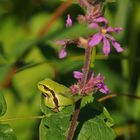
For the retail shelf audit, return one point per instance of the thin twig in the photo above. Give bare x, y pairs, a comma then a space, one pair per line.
117, 95
22, 118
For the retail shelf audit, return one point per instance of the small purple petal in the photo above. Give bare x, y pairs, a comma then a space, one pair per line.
78, 74
62, 53
101, 19
94, 25
111, 29
101, 85
95, 39
92, 75
117, 46
117, 30
106, 46
104, 89
110, 37
99, 77
61, 42
68, 21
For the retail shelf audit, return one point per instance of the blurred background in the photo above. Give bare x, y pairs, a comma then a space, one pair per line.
28, 54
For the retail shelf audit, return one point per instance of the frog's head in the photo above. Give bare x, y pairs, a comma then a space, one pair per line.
45, 88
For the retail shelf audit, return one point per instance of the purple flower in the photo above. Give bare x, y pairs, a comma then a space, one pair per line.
95, 40
74, 89
68, 21
102, 87
98, 83
101, 19
62, 52
61, 42
78, 74
92, 85
99, 78
95, 21
104, 36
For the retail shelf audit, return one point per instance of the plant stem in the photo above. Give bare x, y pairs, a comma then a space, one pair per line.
78, 103
74, 120
22, 118
86, 65
118, 95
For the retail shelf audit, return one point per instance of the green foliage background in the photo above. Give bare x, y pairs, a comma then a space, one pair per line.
36, 58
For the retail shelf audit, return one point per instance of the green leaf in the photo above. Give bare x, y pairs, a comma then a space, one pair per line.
96, 129
21, 49
6, 132
54, 128
69, 33
108, 119
57, 125
63, 65
3, 106
99, 110
94, 123
86, 100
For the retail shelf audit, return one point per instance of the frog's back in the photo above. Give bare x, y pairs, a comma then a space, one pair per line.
59, 88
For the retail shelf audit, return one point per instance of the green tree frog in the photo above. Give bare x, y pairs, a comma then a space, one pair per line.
57, 96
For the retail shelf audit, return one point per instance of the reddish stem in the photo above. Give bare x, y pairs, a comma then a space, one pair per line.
74, 120
86, 67
78, 103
